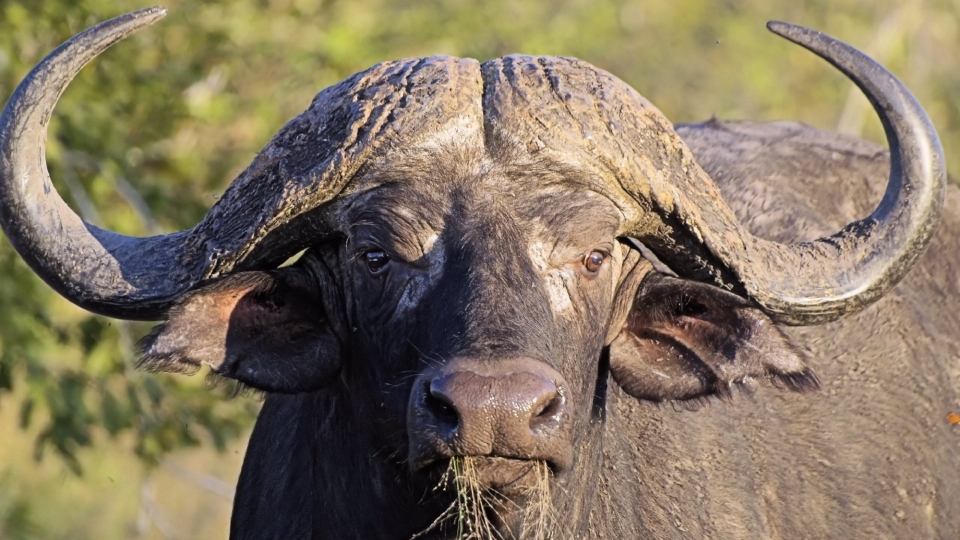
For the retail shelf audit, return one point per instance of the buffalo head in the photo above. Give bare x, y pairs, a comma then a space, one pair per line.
485, 245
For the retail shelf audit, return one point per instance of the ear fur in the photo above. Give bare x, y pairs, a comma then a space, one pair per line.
267, 330
686, 340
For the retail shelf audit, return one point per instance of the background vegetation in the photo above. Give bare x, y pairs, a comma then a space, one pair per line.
152, 132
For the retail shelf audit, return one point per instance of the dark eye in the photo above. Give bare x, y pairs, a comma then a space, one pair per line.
376, 259
593, 261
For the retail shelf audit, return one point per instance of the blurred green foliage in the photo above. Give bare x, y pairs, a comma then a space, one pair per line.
148, 135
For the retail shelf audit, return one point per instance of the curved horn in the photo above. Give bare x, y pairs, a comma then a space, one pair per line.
569, 113
266, 214
823, 280
99, 270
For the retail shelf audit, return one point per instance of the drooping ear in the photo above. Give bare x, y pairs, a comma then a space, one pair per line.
686, 340
267, 330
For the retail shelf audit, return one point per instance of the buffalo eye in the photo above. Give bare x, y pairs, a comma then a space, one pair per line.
593, 261
376, 259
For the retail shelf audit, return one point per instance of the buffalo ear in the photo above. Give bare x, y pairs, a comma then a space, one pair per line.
686, 340
267, 330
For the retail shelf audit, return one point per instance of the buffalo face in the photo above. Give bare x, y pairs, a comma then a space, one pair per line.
479, 304
471, 303
473, 269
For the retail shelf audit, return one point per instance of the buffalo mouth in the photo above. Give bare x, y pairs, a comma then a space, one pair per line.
494, 497
504, 475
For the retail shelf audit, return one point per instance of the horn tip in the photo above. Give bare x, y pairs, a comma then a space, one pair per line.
154, 13
788, 30
775, 26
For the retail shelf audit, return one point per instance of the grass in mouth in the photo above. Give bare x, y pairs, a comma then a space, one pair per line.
478, 510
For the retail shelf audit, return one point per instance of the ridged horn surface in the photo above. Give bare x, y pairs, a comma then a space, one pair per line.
267, 214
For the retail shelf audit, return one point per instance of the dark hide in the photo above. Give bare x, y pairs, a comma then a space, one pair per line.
474, 344
278, 498
872, 455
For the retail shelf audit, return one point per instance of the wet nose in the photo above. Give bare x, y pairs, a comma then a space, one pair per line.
516, 409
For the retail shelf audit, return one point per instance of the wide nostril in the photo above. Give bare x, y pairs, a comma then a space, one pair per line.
441, 407
547, 410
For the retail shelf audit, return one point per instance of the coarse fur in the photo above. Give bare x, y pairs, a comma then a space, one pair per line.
871, 455
478, 329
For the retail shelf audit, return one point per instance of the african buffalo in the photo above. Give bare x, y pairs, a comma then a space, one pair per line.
519, 279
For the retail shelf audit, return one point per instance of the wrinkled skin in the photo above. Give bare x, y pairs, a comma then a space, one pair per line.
486, 263
869, 456
477, 342
872, 455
